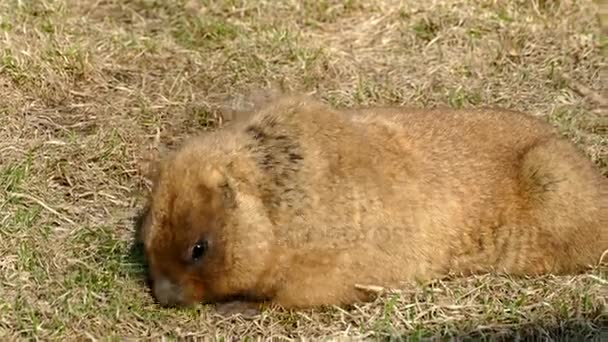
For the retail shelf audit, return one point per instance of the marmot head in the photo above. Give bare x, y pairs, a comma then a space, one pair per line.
198, 245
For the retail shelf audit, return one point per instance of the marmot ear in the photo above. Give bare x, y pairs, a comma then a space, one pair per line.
217, 179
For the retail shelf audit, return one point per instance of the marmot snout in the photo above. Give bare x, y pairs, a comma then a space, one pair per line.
300, 201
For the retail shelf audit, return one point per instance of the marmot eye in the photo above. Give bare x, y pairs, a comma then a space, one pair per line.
199, 249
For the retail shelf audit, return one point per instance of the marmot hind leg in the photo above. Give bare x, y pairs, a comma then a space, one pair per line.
566, 199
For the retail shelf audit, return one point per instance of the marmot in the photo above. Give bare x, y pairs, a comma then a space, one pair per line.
300, 201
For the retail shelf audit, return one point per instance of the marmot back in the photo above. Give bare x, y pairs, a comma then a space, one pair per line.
299, 202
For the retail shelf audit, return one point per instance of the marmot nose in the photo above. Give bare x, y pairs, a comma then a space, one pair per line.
167, 293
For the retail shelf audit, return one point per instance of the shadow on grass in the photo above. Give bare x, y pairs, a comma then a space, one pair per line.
136, 253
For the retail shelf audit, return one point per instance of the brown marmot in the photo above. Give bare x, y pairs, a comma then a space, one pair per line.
300, 201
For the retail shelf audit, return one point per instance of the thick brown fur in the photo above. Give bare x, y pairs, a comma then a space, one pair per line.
298, 202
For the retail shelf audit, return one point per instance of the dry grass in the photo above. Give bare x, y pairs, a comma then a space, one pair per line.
85, 85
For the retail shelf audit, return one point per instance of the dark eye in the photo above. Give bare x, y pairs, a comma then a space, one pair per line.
199, 249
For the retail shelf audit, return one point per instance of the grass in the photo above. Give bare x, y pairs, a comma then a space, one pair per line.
85, 85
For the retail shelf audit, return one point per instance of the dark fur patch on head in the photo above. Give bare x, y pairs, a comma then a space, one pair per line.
257, 133
280, 156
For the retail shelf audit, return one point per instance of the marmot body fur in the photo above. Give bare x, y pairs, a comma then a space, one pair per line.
300, 201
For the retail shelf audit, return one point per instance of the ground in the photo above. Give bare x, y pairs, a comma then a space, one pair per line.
86, 85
